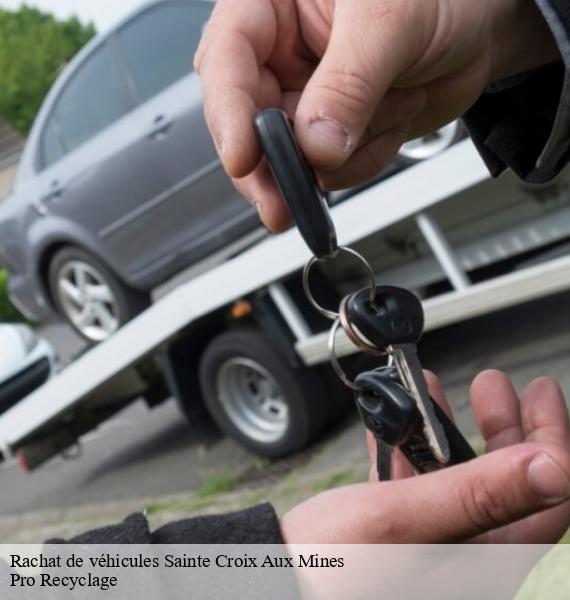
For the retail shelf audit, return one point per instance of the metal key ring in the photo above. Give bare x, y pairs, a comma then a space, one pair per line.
336, 365
354, 335
334, 360
329, 314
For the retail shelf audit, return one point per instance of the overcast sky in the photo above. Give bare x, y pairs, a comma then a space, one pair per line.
103, 13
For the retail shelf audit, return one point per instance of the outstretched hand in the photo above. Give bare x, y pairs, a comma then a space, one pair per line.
359, 78
518, 492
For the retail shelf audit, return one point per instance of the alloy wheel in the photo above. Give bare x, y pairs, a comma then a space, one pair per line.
87, 300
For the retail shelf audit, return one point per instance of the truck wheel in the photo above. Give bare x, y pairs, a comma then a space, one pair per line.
257, 398
89, 296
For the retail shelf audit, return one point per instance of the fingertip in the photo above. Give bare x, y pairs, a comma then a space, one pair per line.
549, 478
260, 189
434, 385
488, 377
237, 145
431, 378
544, 386
545, 414
324, 141
273, 214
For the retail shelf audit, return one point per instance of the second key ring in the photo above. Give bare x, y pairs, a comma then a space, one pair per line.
334, 358
330, 314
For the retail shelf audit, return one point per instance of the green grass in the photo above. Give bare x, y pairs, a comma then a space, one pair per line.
200, 498
260, 464
188, 505
8, 312
218, 485
337, 479
211, 494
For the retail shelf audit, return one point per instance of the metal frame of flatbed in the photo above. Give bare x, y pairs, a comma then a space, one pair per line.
404, 195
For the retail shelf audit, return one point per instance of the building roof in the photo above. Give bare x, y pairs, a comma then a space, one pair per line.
11, 143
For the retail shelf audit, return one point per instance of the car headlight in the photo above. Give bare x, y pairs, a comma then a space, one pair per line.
28, 337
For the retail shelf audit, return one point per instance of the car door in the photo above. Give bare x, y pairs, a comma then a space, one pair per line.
199, 207
95, 172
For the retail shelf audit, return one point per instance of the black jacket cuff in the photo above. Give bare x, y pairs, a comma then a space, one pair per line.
256, 525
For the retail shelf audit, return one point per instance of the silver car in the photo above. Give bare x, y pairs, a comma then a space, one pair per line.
119, 186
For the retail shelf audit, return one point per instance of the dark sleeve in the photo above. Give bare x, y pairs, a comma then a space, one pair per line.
525, 125
256, 525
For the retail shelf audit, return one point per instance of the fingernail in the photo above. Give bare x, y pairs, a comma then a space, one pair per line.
332, 132
548, 479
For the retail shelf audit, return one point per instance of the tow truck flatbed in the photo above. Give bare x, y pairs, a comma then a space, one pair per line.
110, 373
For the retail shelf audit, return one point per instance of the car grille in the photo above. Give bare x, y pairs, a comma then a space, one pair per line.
23, 383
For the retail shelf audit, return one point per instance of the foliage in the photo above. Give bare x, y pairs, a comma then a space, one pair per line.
34, 47
8, 312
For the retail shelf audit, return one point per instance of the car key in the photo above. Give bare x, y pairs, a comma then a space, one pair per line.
394, 322
296, 182
387, 411
392, 422
394, 326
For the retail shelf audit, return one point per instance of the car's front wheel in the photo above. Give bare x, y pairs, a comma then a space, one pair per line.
89, 296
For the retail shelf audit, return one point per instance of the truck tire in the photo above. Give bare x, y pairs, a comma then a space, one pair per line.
257, 398
89, 296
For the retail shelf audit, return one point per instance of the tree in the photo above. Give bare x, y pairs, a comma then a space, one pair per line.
34, 47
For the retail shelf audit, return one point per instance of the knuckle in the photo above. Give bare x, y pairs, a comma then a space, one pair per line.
414, 102
391, 11
485, 507
377, 160
351, 89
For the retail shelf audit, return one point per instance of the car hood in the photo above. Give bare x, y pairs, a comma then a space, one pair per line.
12, 350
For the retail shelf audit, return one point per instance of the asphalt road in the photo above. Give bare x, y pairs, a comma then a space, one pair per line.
143, 453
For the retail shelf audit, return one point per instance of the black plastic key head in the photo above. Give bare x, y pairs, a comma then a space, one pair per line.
395, 317
385, 406
296, 182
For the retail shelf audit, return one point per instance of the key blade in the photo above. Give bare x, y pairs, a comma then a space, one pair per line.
383, 460
411, 373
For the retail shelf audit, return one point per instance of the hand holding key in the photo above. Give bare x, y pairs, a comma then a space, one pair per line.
517, 493
358, 77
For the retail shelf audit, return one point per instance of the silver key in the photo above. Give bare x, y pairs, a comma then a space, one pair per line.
411, 373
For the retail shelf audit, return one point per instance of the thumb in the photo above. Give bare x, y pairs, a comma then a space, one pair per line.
466, 500
366, 51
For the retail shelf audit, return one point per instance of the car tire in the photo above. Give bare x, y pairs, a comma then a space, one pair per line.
256, 397
428, 146
89, 296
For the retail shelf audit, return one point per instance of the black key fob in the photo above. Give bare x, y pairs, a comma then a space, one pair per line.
395, 317
296, 182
